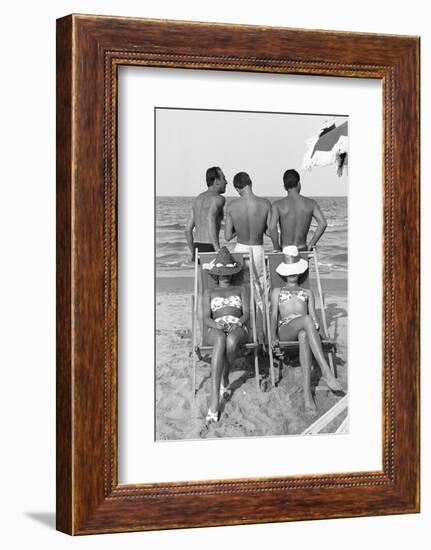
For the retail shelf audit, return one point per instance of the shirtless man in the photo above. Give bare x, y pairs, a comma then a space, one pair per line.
294, 214
206, 214
248, 218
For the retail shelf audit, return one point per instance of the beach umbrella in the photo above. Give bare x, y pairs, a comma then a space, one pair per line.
329, 146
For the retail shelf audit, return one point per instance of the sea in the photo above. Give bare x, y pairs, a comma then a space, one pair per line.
172, 252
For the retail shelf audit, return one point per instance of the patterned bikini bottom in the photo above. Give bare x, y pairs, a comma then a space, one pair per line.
227, 323
286, 320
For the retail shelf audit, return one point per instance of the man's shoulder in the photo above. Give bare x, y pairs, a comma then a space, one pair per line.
219, 200
200, 197
265, 202
208, 198
308, 200
281, 204
233, 203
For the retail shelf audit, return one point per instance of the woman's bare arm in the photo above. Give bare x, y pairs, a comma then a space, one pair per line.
206, 308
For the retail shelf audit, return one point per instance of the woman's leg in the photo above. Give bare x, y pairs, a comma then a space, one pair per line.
290, 332
217, 338
306, 364
234, 341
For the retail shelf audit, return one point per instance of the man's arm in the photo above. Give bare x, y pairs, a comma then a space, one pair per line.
268, 220
321, 225
213, 214
273, 228
229, 230
190, 225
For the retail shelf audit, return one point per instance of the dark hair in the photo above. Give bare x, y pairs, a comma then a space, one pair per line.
241, 180
290, 179
213, 174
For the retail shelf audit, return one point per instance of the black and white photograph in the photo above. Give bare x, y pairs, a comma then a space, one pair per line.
251, 273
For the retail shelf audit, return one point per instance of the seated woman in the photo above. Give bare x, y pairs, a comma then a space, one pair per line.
225, 313
293, 317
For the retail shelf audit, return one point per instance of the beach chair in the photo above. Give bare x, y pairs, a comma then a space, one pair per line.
272, 260
201, 346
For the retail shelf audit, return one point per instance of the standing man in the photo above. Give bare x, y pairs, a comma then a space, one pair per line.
206, 214
248, 218
294, 214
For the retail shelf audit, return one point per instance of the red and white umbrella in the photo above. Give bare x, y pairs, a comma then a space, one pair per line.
330, 146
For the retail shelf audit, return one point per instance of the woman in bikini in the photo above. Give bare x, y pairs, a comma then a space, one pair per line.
225, 314
293, 317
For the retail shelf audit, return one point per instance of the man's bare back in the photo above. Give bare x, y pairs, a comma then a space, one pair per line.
208, 205
247, 217
294, 214
206, 214
295, 217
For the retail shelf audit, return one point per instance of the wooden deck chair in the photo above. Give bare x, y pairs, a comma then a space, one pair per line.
338, 410
201, 346
272, 260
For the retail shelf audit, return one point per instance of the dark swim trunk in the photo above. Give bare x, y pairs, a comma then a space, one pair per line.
203, 247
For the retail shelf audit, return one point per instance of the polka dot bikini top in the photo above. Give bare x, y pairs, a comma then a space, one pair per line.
219, 302
286, 295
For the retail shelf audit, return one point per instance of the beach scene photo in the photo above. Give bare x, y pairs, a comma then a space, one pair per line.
251, 274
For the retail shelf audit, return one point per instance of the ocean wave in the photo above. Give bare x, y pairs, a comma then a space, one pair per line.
172, 244
171, 226
173, 264
340, 258
173, 256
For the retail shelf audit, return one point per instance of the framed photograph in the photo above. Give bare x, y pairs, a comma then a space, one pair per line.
237, 274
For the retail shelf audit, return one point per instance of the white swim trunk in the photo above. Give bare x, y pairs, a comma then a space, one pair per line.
257, 253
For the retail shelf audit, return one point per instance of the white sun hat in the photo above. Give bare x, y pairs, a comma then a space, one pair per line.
293, 263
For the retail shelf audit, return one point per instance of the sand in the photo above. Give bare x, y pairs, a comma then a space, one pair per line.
248, 412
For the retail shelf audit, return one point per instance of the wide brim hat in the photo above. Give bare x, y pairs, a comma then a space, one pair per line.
223, 264
293, 263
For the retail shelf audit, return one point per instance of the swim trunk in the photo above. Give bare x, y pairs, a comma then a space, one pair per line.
202, 247
228, 323
257, 253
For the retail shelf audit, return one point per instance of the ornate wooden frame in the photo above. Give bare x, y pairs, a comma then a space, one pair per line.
89, 51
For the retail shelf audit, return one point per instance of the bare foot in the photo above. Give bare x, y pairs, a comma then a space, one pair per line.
333, 383
225, 391
211, 417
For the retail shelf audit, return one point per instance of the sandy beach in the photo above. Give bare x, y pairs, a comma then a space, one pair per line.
248, 413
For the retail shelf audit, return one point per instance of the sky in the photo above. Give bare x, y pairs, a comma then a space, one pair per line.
262, 144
